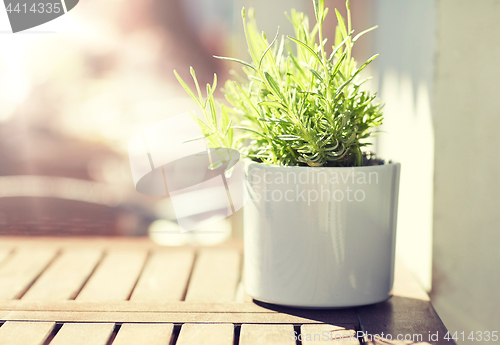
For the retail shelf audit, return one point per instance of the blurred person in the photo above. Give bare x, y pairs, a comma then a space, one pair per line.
86, 91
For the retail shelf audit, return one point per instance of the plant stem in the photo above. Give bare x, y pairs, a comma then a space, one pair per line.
323, 56
349, 42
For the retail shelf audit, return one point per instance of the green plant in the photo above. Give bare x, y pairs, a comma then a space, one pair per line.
302, 107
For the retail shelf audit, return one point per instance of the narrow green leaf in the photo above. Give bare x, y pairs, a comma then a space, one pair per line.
228, 127
338, 47
309, 49
319, 10
249, 101
279, 54
198, 138
341, 23
341, 87
269, 47
214, 84
275, 120
225, 118
229, 137
250, 130
363, 32
252, 77
338, 154
316, 9
342, 76
188, 90
351, 139
235, 60
288, 137
273, 84
272, 104
332, 147
338, 64
312, 94
365, 64
297, 65
193, 74
312, 70
325, 11
213, 112
211, 90
298, 81
206, 129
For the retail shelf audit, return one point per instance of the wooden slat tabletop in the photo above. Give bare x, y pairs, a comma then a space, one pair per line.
98, 291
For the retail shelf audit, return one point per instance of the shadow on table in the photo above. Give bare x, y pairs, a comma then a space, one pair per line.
412, 318
345, 317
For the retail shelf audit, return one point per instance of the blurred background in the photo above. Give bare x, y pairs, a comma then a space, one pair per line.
75, 90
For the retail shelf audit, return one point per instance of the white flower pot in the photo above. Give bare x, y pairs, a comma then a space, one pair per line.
320, 237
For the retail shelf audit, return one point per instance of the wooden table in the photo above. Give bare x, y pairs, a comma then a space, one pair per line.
129, 291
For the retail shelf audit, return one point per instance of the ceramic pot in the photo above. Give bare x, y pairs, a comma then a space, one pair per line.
320, 237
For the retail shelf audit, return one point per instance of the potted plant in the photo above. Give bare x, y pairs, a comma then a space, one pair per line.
320, 223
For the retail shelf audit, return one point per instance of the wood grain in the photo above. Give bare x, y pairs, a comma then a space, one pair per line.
83, 334
169, 317
165, 276
115, 277
131, 311
25, 333
180, 307
206, 334
156, 284
323, 333
266, 334
215, 276
64, 278
144, 334
22, 268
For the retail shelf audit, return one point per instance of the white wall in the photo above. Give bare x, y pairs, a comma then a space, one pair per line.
466, 286
405, 41
439, 76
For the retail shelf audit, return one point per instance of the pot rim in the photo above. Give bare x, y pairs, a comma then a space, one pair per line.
248, 162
